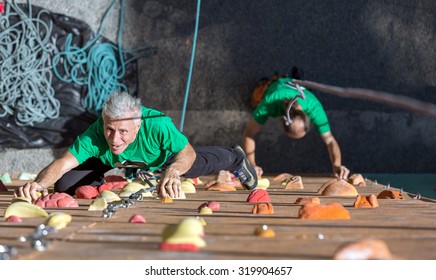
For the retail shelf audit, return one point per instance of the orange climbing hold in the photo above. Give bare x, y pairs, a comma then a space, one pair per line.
263, 208
335, 187
391, 194
357, 180
293, 183
369, 201
305, 200
222, 187
315, 211
264, 231
282, 177
166, 200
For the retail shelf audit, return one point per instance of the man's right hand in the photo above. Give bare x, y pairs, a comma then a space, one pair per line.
259, 170
29, 191
170, 183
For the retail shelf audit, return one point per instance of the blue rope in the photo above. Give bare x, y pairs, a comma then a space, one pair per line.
26, 91
97, 69
190, 67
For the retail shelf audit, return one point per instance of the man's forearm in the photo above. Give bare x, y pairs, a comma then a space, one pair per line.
335, 154
248, 142
249, 146
53, 172
183, 160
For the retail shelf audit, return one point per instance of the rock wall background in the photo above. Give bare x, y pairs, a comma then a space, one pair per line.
381, 45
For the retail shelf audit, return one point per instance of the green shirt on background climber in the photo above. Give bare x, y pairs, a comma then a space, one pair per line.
272, 105
297, 111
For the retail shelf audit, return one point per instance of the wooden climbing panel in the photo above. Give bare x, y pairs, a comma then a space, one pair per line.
406, 225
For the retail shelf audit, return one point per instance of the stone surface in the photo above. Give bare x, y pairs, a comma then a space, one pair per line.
374, 45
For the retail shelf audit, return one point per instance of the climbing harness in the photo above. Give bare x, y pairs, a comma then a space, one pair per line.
134, 170
376, 96
287, 117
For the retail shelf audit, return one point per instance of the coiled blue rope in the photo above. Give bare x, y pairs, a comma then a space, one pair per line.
26, 90
100, 68
188, 83
28, 61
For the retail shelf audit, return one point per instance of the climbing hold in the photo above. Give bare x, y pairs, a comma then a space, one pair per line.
263, 183
202, 221
391, 194
136, 218
304, 200
369, 201
357, 180
293, 183
113, 182
178, 247
195, 181
282, 177
315, 211
13, 219
187, 234
87, 192
366, 249
214, 205
6, 178
26, 176
109, 196
258, 195
57, 199
335, 187
205, 210
263, 208
225, 181
188, 187
166, 200
98, 204
134, 187
264, 231
3, 187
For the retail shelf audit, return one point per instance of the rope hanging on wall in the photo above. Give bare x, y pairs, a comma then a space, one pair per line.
99, 66
403, 102
26, 90
188, 84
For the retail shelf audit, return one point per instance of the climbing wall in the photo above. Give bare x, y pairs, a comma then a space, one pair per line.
404, 224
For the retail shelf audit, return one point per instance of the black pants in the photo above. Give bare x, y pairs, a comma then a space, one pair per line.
209, 160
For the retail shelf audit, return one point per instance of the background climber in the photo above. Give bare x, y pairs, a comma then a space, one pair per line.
297, 109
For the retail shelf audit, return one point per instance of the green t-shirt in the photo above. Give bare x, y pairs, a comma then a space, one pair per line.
272, 105
157, 139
